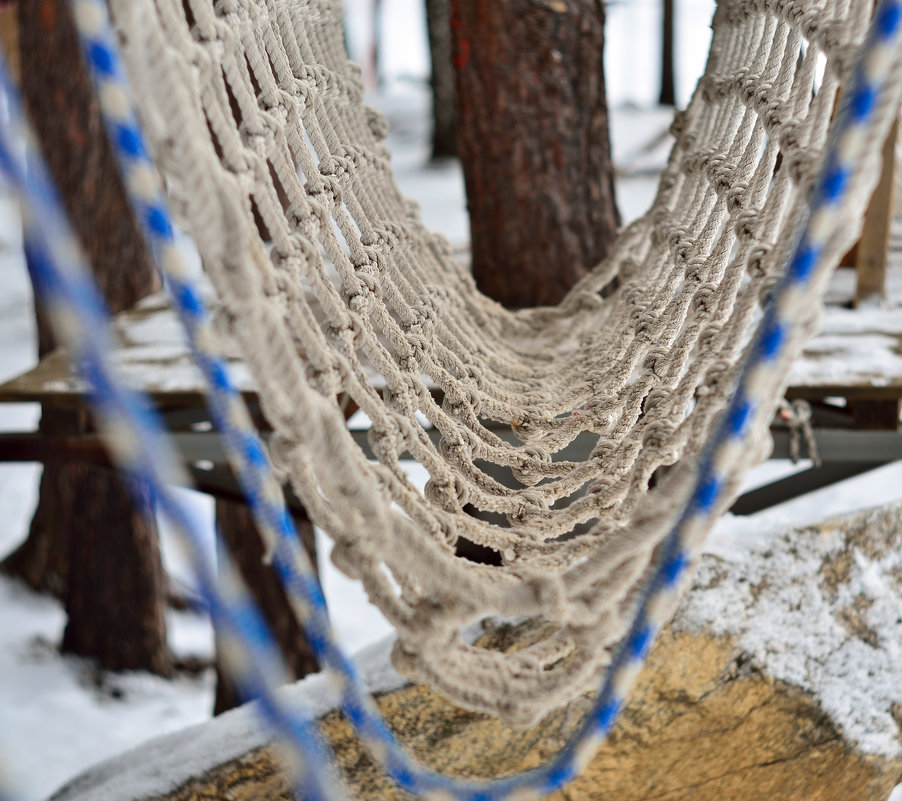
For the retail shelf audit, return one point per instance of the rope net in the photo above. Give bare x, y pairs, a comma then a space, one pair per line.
332, 289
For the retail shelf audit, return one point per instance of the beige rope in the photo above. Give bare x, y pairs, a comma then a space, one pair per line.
332, 285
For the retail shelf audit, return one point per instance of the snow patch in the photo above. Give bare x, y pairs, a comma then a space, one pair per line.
165, 763
801, 590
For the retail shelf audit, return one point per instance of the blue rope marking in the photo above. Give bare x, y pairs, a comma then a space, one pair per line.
139, 438
248, 629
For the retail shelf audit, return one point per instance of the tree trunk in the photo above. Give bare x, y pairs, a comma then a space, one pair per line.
444, 95
87, 542
240, 536
668, 91
533, 137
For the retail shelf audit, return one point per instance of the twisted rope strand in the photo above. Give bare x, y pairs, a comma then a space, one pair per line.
763, 373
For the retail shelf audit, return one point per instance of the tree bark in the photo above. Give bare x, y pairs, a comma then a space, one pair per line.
87, 542
239, 534
533, 137
444, 95
668, 90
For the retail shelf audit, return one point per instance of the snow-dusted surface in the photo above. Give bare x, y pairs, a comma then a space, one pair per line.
797, 627
164, 764
54, 719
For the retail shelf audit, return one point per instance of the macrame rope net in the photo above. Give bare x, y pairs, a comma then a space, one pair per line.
330, 287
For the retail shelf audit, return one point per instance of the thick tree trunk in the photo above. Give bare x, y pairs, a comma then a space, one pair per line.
239, 535
87, 541
444, 95
533, 136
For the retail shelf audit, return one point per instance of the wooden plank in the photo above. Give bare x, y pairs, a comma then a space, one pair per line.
871, 256
9, 37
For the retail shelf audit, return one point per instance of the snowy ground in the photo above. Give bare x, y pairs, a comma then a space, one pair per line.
57, 715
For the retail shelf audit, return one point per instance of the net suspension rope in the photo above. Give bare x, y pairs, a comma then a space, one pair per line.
328, 284
871, 99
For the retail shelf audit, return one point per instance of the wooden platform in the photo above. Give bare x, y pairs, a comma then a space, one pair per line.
857, 355
851, 373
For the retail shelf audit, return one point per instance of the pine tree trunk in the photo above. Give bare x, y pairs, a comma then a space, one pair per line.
87, 542
533, 136
240, 536
444, 99
668, 90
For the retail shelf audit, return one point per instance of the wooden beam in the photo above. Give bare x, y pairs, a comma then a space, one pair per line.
871, 256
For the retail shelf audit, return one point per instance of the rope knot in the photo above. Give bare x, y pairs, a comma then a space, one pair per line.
376, 122
678, 123
736, 196
657, 361
746, 224
327, 187
532, 464
646, 326
696, 267
763, 95
400, 396
461, 402
680, 243
527, 502
327, 379
756, 265
800, 164
371, 258
748, 83
347, 331
767, 289
633, 295
461, 447
386, 441
655, 400
704, 302
604, 449
449, 492
693, 162
789, 135
529, 424
605, 491
708, 338
658, 438
773, 115
716, 381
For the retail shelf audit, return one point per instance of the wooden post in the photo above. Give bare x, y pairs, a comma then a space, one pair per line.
871, 254
239, 534
87, 542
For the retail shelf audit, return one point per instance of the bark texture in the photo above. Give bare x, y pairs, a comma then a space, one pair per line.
444, 93
668, 90
87, 542
533, 136
239, 535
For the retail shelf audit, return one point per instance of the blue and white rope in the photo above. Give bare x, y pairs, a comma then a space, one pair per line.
854, 135
137, 438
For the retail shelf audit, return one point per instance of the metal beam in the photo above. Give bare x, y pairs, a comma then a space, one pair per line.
793, 486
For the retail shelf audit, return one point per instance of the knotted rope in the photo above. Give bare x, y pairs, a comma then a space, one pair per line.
848, 171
